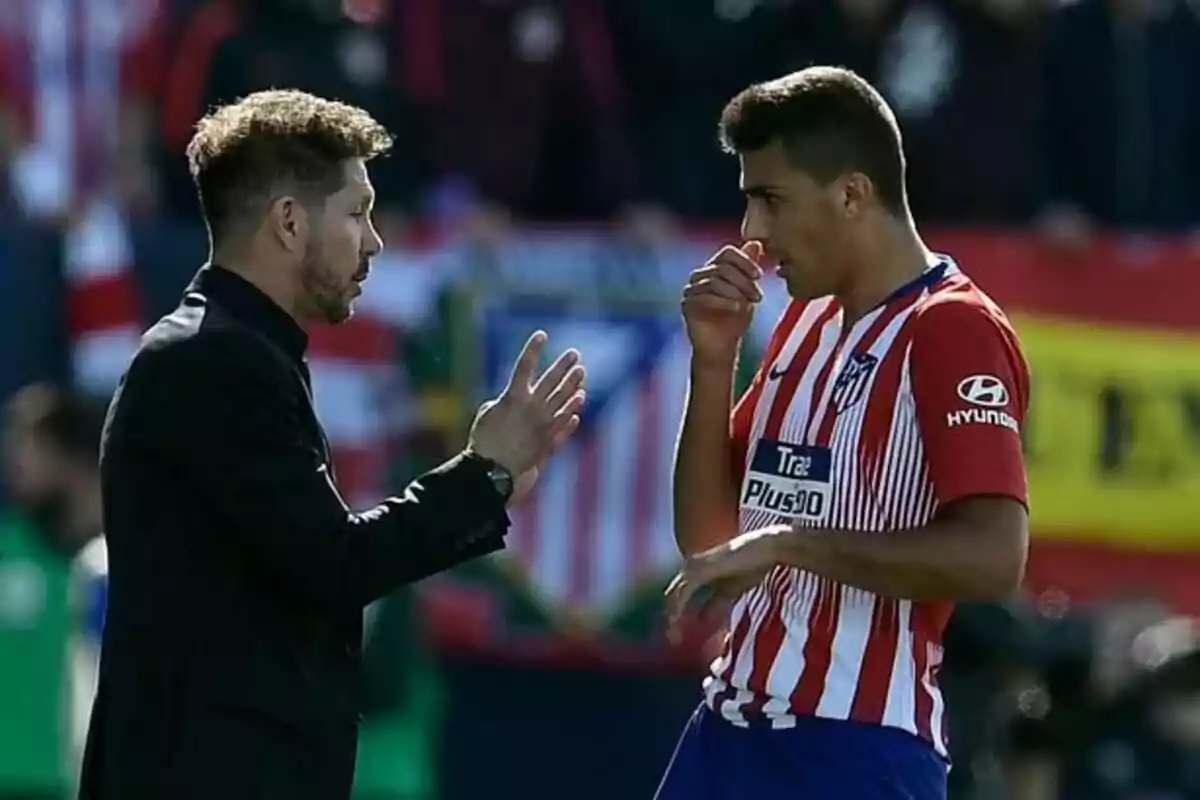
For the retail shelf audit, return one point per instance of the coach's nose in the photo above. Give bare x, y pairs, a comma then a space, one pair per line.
373, 243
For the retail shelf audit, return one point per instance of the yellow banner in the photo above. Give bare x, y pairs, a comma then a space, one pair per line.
1113, 434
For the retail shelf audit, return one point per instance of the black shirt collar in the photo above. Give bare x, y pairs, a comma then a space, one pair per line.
246, 302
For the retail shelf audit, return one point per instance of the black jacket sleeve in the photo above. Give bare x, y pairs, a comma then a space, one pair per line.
232, 419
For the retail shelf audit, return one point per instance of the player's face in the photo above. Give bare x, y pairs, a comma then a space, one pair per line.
341, 243
799, 222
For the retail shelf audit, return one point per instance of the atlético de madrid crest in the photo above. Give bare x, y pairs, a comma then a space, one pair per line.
853, 380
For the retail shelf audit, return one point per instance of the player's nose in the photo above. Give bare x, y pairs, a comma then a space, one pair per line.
754, 226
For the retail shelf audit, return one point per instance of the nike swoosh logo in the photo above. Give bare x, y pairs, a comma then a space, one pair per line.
776, 373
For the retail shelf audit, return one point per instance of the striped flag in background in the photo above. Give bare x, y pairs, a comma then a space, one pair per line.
103, 308
600, 521
358, 381
353, 367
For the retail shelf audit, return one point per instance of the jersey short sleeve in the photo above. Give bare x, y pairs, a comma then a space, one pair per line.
970, 386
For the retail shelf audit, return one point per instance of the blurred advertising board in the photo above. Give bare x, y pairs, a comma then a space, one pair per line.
1112, 335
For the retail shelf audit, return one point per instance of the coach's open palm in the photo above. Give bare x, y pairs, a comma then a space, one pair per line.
719, 301
521, 428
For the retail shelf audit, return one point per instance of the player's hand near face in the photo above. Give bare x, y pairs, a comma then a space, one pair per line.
730, 569
719, 301
532, 417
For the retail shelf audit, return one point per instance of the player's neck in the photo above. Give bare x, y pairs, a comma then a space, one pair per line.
893, 256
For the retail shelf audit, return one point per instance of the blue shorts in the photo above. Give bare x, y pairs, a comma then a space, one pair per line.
819, 759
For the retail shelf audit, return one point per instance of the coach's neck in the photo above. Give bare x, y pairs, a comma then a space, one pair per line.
889, 254
261, 270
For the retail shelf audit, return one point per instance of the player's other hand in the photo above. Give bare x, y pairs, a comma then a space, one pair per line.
532, 417
719, 301
728, 570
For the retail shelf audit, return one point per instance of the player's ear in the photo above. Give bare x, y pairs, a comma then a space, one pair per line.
854, 190
287, 219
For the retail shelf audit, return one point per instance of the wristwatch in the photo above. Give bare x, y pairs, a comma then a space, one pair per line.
502, 479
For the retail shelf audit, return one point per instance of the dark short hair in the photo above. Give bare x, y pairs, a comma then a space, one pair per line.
829, 120
243, 151
69, 422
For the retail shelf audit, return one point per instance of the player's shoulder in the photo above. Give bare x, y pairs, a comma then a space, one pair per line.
957, 302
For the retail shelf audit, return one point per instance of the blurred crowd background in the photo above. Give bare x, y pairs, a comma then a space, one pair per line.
556, 166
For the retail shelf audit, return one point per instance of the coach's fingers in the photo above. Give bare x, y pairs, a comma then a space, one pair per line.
566, 429
554, 376
567, 388
531, 356
561, 416
563, 429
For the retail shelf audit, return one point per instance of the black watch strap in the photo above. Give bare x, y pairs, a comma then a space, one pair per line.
500, 477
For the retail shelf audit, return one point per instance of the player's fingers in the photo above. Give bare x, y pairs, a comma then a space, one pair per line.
754, 251
527, 361
553, 377
737, 258
711, 302
677, 601
716, 607
722, 288
725, 273
725, 594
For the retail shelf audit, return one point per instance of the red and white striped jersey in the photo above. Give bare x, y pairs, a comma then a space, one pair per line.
867, 426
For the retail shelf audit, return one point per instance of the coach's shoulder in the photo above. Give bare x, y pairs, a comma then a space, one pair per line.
177, 351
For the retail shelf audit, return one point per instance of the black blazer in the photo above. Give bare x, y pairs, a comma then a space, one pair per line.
230, 664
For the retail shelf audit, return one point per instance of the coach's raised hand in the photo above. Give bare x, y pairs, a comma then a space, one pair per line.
534, 414
719, 301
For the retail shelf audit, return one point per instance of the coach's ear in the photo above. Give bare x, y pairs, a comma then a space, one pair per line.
287, 219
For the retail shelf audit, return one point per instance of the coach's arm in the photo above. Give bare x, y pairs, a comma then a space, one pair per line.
230, 417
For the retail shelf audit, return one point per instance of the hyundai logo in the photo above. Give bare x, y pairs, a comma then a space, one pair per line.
983, 390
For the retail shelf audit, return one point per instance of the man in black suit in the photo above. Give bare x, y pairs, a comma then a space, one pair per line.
238, 575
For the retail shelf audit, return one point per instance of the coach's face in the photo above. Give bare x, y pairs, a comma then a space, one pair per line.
800, 223
342, 240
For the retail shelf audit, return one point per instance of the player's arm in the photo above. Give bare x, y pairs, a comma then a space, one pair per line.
220, 411
705, 496
974, 550
975, 547
717, 308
